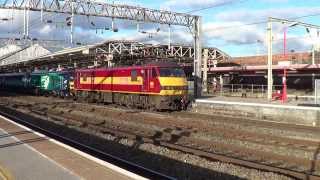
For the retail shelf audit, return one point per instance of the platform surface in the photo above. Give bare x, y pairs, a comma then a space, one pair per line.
24, 162
258, 109
253, 101
28, 156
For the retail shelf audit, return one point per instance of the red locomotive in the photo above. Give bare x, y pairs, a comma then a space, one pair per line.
151, 86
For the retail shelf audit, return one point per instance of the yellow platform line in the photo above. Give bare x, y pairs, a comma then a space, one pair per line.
5, 174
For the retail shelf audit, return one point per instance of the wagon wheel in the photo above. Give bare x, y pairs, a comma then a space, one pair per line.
36, 92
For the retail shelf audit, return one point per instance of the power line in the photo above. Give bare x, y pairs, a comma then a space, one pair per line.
263, 22
262, 42
32, 23
216, 5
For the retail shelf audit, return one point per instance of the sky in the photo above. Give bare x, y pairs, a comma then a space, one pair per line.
237, 27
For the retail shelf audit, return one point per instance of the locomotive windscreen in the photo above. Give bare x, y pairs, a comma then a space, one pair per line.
172, 72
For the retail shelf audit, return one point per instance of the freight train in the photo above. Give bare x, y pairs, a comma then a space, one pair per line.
153, 86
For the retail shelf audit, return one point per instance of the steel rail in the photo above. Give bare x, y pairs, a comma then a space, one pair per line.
224, 158
132, 167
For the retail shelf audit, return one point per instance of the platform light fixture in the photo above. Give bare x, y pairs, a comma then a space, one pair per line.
313, 53
270, 39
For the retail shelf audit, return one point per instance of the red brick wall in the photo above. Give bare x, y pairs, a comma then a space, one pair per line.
295, 58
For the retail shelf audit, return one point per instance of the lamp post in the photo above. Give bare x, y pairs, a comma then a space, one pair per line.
284, 78
270, 78
285, 42
312, 49
269, 41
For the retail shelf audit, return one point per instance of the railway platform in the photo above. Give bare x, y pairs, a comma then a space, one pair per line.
258, 109
28, 155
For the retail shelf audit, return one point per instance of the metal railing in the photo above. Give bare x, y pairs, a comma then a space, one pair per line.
247, 90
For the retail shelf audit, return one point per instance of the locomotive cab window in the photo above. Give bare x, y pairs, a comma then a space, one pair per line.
172, 72
134, 75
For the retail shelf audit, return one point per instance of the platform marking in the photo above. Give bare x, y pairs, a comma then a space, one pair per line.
256, 104
86, 155
33, 149
5, 174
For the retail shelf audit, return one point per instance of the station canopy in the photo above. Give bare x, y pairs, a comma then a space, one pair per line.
13, 58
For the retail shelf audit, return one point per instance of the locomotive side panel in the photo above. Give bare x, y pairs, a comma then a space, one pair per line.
122, 80
149, 86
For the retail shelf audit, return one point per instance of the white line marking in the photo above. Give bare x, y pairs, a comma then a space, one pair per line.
38, 152
88, 156
257, 104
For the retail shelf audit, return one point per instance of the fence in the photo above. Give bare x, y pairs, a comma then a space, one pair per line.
317, 91
247, 90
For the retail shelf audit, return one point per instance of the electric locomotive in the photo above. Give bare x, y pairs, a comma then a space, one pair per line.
152, 86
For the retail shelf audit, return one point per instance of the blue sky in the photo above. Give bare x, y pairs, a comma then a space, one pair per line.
224, 26
238, 39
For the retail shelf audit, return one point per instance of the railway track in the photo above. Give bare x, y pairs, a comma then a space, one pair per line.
132, 167
181, 141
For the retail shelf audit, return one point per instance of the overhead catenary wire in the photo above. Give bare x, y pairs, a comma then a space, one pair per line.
216, 5
32, 23
35, 23
262, 41
209, 7
263, 22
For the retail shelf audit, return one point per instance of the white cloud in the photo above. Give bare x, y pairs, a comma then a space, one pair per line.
246, 15
162, 37
231, 28
46, 29
275, 1
246, 35
238, 35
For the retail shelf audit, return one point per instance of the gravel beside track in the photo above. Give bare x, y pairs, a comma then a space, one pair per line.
160, 133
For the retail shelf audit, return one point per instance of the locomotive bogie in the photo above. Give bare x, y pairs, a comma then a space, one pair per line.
143, 101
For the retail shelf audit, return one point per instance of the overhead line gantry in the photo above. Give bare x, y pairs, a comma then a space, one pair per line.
117, 11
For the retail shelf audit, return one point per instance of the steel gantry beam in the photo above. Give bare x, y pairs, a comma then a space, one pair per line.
92, 8
183, 51
129, 51
115, 11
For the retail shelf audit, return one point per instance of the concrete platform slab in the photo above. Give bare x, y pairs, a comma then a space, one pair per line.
23, 162
25, 155
258, 109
